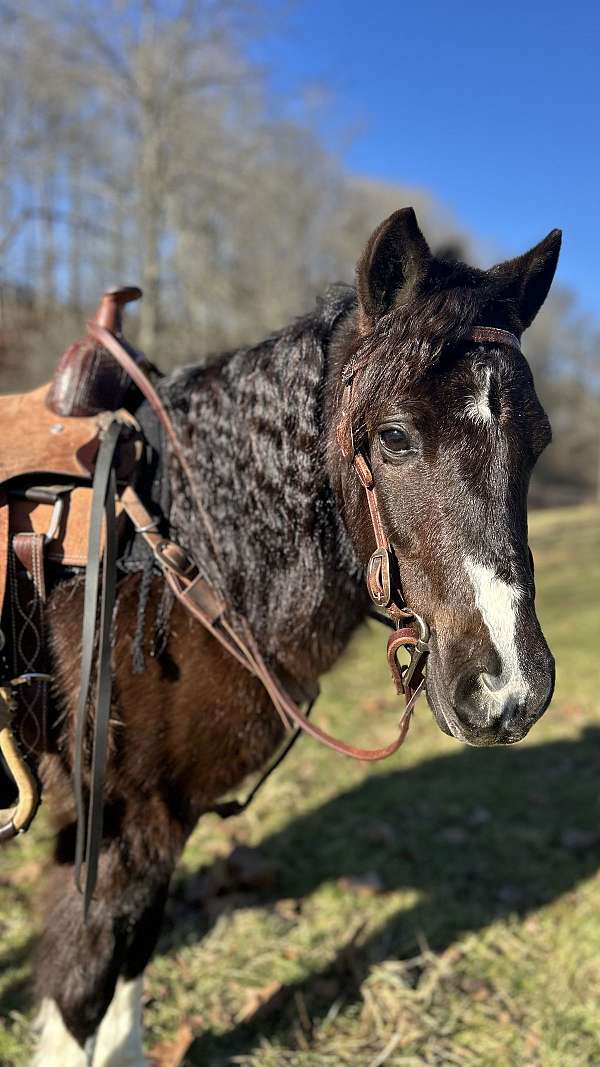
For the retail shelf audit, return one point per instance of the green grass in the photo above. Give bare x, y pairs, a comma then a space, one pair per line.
442, 908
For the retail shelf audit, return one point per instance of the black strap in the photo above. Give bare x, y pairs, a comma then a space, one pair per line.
103, 695
87, 845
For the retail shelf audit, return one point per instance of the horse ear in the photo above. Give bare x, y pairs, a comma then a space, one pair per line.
397, 256
527, 279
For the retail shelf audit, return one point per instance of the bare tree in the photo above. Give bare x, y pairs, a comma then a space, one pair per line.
138, 144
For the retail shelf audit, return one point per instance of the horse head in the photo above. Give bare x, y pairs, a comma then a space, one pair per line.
451, 428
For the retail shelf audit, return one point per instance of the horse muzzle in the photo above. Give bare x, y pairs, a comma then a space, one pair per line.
483, 709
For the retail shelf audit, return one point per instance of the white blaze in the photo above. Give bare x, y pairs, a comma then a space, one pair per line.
118, 1042
498, 601
477, 406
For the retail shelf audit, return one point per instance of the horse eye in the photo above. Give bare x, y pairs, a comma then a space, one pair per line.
394, 440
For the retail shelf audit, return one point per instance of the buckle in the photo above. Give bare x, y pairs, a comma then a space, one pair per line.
379, 577
55, 519
173, 558
408, 677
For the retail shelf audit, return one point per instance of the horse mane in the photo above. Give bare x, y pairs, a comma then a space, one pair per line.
252, 427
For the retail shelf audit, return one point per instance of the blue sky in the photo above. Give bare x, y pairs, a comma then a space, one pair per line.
492, 107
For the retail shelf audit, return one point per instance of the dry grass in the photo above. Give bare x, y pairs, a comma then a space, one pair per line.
441, 909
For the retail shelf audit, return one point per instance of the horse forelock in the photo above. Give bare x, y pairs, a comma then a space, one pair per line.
412, 339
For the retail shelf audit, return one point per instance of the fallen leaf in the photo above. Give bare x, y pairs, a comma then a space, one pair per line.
288, 907
373, 705
572, 711
171, 1053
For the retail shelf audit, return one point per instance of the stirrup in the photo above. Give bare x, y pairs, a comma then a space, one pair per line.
28, 798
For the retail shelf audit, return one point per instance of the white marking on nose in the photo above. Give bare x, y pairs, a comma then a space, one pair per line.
477, 406
498, 601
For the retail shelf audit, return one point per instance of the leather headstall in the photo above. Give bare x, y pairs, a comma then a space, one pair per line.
383, 573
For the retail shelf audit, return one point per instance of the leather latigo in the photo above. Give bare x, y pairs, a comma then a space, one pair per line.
27, 584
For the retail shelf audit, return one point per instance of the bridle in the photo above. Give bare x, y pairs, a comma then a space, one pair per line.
382, 575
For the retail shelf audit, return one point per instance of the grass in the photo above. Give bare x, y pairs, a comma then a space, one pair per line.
442, 908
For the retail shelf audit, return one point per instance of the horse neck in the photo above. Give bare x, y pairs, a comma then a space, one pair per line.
254, 431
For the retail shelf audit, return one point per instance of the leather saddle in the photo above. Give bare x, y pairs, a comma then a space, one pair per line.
50, 441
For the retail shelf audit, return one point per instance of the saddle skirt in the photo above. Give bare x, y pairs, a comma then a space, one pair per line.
36, 441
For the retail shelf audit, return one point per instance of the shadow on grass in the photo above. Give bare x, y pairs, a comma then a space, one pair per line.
481, 835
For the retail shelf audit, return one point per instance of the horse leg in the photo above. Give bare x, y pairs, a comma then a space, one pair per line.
118, 1040
90, 973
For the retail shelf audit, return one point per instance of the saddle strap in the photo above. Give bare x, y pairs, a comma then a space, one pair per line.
27, 603
140, 378
89, 825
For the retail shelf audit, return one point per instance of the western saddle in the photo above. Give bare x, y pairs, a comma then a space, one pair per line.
50, 443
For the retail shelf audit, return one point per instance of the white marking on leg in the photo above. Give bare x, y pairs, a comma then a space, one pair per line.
55, 1045
498, 602
118, 1042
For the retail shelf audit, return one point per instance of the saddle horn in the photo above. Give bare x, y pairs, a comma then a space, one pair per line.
88, 379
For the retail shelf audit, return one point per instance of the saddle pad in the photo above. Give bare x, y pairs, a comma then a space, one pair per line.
70, 545
35, 440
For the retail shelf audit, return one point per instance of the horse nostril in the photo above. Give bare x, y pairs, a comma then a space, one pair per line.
492, 682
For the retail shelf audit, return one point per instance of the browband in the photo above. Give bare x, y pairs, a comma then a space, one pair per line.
493, 335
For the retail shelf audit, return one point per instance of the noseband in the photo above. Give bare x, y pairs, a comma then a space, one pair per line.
383, 576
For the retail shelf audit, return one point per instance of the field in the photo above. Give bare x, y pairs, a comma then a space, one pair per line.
440, 909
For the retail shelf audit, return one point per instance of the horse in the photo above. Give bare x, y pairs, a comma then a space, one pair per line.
451, 426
